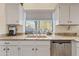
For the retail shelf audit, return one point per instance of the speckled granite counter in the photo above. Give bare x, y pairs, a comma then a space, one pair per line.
52, 37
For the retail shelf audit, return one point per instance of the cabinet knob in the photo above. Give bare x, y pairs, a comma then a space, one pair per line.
36, 49
17, 21
7, 43
4, 49
32, 49
19, 48
8, 49
69, 21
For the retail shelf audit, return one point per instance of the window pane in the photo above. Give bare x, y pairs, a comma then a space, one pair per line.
45, 26
30, 26
38, 26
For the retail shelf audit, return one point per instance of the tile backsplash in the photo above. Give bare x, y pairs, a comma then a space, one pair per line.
64, 29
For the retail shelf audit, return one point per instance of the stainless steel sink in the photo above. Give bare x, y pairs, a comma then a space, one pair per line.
32, 36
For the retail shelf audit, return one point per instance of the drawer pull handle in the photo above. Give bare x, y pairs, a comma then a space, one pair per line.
7, 43
8, 49
36, 49
4, 49
19, 48
32, 49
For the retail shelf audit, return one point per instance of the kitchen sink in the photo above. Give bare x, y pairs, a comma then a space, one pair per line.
34, 36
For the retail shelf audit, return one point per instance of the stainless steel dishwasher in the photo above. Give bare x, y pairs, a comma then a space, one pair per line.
61, 48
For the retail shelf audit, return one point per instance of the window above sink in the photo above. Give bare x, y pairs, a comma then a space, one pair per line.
38, 21
38, 26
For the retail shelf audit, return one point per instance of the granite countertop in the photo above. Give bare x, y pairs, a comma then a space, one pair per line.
52, 37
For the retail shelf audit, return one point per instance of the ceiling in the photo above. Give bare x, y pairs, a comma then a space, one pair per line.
39, 6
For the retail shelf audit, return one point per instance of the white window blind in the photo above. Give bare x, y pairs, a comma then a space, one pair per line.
38, 14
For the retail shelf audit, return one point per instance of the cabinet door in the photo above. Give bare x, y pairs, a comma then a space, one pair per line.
12, 50
77, 48
63, 13
77, 51
12, 13
21, 15
56, 15
74, 13
2, 50
27, 50
73, 48
42, 50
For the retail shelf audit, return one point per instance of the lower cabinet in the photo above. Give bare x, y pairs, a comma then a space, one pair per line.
2, 51
77, 51
42, 50
25, 48
8, 51
34, 50
12, 51
75, 48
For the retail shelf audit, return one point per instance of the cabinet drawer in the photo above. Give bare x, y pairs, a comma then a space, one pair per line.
34, 43
9, 42
24, 42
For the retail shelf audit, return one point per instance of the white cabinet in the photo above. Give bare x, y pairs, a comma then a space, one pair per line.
32, 50
74, 13
75, 48
8, 51
8, 48
67, 14
35, 48
42, 50
27, 50
12, 50
2, 50
77, 51
21, 15
14, 13
61, 14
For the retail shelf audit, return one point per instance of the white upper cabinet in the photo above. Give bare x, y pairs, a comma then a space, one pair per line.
14, 13
67, 14
74, 13
61, 14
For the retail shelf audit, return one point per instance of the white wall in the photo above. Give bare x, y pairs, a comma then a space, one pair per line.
39, 5
3, 26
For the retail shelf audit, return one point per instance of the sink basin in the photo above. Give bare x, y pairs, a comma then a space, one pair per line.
41, 36
30, 36
36, 36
